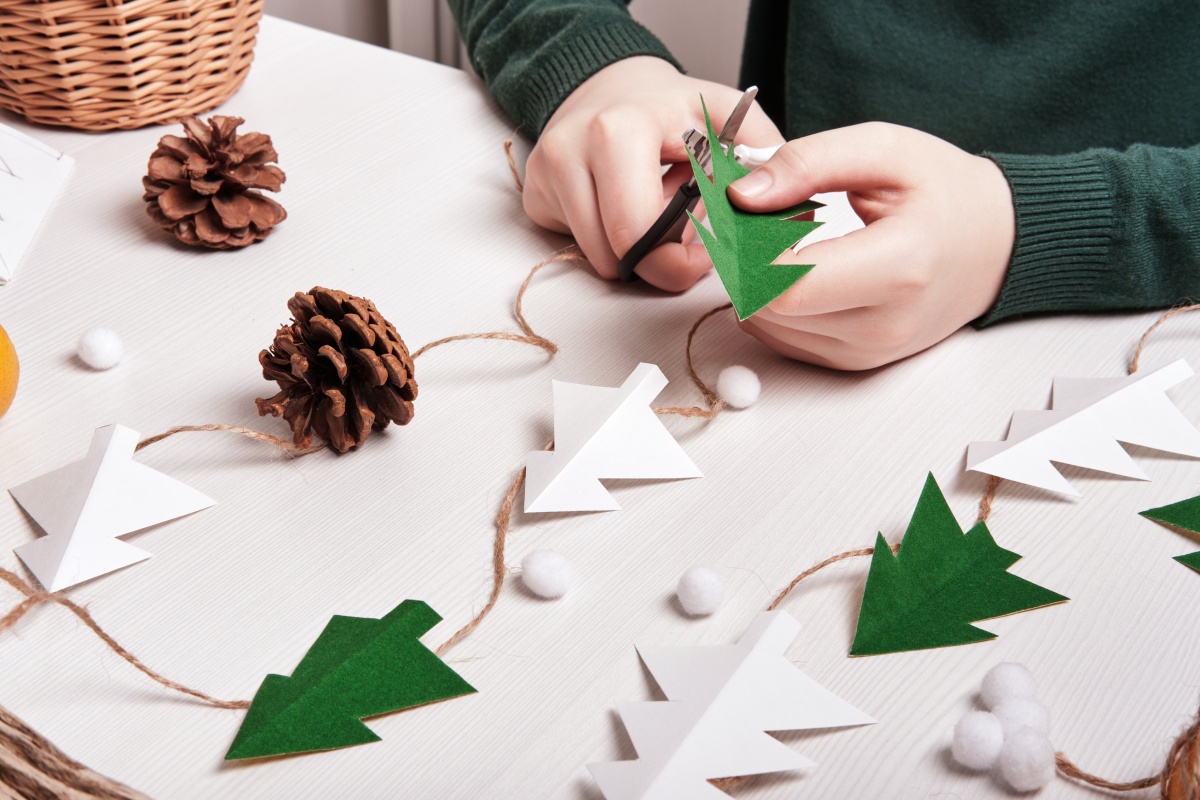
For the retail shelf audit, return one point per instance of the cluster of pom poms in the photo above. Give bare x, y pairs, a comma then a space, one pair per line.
1009, 738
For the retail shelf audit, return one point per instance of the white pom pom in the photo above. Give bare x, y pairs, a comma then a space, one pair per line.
546, 573
738, 386
700, 591
1022, 712
1026, 760
1005, 681
100, 348
978, 738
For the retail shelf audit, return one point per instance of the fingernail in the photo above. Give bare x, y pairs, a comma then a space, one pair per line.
753, 184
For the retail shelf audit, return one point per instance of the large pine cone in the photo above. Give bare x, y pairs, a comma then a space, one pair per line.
342, 370
201, 189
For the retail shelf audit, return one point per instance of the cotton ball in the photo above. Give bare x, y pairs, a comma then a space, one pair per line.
1026, 761
700, 591
1022, 712
546, 573
1006, 680
738, 386
978, 738
100, 348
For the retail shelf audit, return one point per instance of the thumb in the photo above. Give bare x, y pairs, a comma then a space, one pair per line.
857, 158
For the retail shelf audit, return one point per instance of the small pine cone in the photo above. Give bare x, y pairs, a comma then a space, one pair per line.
341, 368
201, 189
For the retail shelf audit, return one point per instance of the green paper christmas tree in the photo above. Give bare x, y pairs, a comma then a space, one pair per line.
1184, 515
939, 582
742, 245
356, 668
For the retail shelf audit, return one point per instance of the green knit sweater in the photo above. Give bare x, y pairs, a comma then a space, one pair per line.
1090, 107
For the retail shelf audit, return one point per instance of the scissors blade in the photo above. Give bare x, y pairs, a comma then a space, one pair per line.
735, 119
698, 143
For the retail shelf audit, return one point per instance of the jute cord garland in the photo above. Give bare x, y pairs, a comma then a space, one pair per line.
35, 768
31, 766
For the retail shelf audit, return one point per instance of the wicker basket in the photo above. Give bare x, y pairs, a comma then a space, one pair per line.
103, 64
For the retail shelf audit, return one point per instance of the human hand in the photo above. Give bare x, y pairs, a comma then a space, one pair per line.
596, 170
939, 234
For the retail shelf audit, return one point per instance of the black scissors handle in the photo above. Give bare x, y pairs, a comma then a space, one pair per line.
667, 228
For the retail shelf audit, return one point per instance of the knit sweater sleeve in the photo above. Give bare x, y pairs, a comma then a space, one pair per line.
1102, 229
533, 53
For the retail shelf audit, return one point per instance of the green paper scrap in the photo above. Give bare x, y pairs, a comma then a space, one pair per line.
1190, 560
742, 245
940, 581
1184, 515
357, 668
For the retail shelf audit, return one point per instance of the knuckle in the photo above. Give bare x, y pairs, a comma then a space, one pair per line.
797, 159
610, 125
915, 279
888, 137
551, 150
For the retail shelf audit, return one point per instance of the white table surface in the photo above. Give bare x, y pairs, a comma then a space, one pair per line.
398, 191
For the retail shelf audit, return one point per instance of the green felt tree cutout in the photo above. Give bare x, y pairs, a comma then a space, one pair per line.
356, 668
742, 245
1184, 515
940, 581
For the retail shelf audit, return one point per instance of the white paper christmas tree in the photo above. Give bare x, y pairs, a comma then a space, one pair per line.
721, 700
1088, 417
86, 504
601, 432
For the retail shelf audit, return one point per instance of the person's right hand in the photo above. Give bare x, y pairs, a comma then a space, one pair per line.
596, 170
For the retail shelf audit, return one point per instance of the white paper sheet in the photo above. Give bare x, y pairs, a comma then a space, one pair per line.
720, 702
601, 432
1088, 417
31, 176
87, 503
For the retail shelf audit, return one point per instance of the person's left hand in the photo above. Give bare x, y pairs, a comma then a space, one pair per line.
939, 234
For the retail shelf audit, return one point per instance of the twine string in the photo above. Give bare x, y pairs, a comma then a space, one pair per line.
571, 254
503, 523
504, 515
1178, 780
512, 166
1141, 345
35, 597
290, 449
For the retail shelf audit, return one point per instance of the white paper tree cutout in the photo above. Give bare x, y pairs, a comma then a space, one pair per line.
721, 701
601, 432
1088, 417
86, 504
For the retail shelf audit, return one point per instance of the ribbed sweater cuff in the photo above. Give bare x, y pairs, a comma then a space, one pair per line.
1065, 216
579, 58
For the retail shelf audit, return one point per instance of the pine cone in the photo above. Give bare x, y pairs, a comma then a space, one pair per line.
342, 370
201, 188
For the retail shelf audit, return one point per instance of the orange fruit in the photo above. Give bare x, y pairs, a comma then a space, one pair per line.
10, 370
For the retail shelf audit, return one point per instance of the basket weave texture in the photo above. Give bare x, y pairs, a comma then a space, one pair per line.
104, 64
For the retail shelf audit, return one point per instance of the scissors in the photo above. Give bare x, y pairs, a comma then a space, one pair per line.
670, 224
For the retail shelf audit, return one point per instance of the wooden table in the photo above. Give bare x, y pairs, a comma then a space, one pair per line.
398, 190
